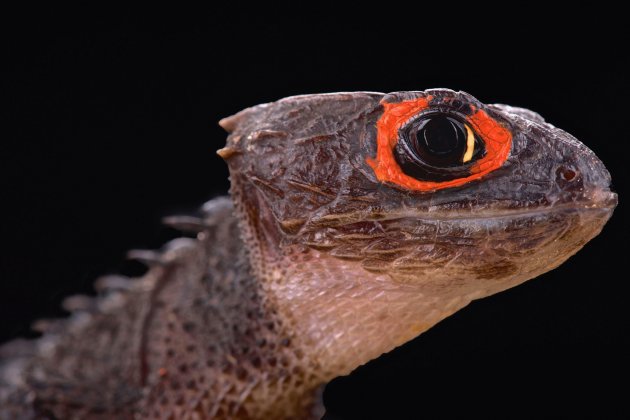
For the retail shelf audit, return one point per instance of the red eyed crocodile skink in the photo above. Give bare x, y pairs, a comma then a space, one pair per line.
356, 222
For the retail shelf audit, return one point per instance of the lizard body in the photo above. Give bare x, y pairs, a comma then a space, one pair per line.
345, 237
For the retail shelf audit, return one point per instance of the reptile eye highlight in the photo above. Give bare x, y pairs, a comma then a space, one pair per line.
424, 149
437, 147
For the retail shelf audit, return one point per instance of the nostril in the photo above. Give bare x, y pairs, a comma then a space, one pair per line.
570, 180
567, 174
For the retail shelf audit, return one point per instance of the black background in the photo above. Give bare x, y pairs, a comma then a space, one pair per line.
111, 124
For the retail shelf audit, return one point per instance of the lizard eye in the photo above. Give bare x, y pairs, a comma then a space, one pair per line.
423, 146
438, 147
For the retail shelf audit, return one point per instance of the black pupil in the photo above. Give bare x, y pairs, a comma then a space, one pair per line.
440, 141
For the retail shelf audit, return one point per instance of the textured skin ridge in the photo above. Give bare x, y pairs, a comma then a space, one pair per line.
185, 340
313, 268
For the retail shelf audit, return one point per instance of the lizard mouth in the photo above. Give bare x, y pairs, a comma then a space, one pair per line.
387, 233
602, 201
598, 201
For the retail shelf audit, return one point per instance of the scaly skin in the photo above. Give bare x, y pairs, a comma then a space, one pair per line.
314, 268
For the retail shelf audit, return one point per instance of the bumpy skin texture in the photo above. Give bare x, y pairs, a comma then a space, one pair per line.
316, 268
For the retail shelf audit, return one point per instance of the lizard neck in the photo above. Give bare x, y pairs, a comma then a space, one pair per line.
338, 313
226, 349
345, 316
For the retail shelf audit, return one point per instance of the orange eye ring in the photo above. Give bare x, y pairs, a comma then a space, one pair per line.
497, 140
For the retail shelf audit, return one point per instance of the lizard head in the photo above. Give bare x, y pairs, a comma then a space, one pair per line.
426, 200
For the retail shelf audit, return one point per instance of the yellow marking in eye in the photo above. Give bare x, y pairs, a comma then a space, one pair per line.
470, 144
